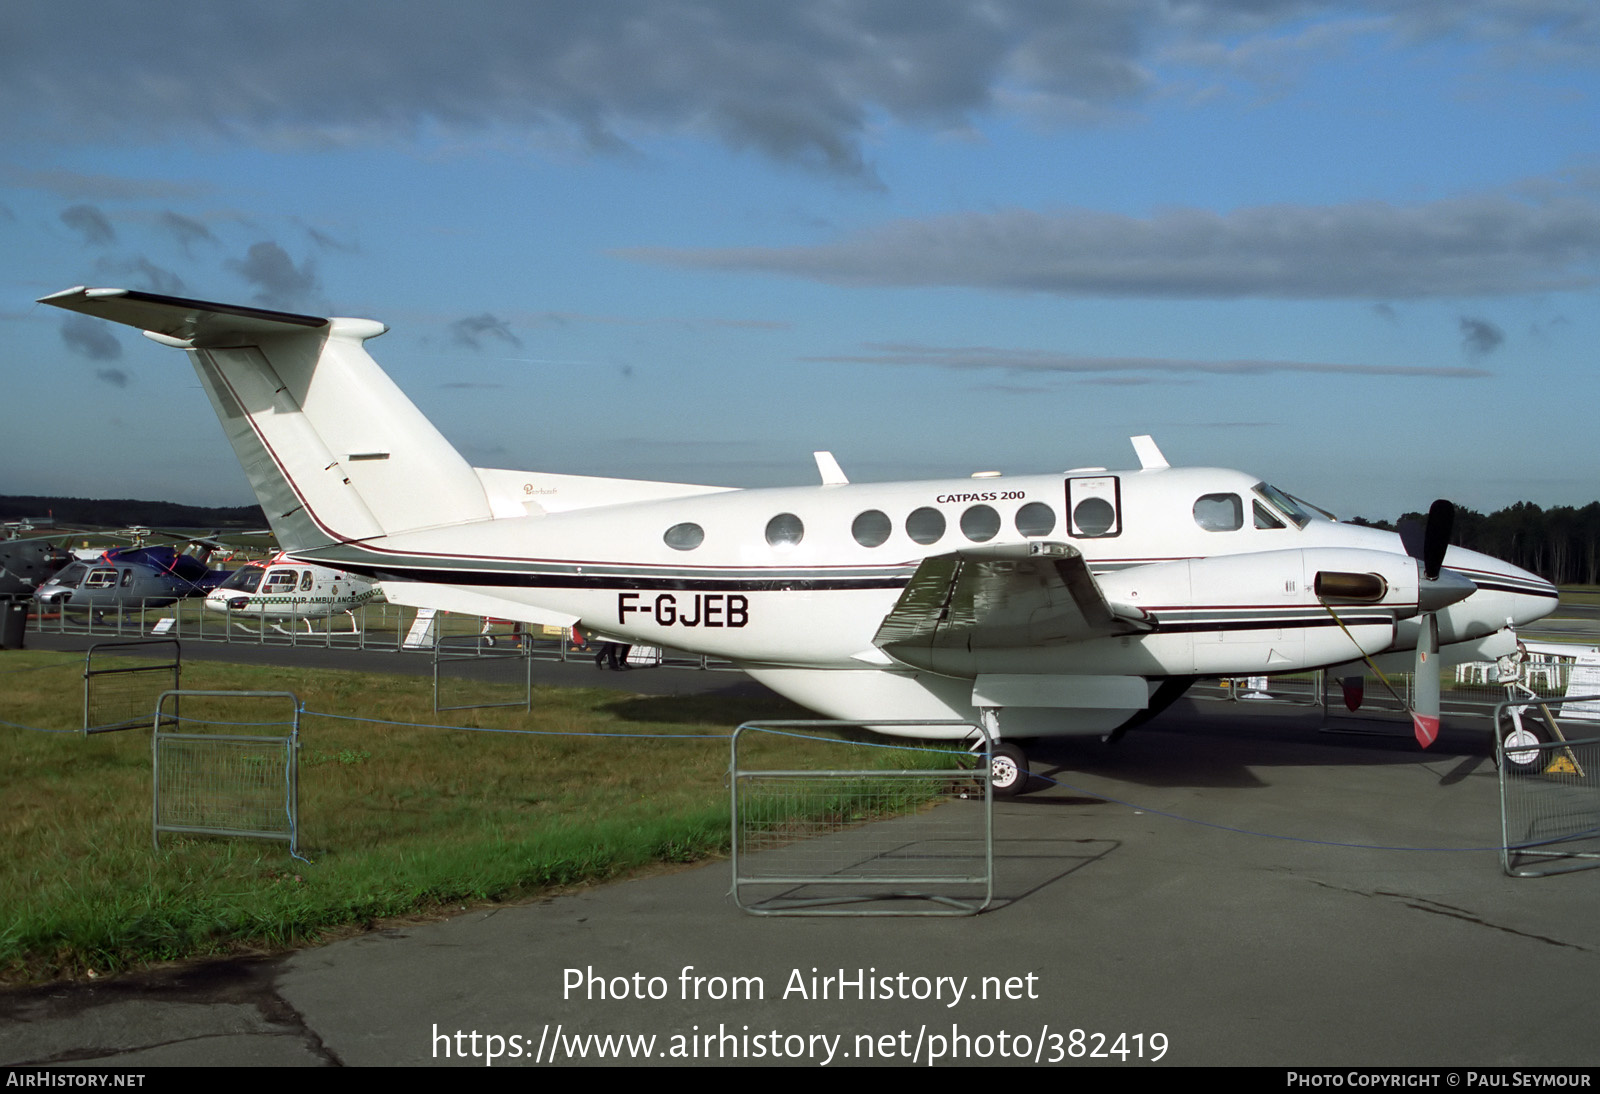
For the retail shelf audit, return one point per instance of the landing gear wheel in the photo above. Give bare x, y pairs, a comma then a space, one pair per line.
1519, 746
1008, 770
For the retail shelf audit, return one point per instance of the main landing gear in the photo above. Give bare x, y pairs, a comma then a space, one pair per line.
1008, 769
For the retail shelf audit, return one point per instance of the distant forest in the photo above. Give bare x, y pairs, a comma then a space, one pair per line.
1561, 544
123, 512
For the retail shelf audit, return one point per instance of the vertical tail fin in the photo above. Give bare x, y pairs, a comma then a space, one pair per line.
333, 449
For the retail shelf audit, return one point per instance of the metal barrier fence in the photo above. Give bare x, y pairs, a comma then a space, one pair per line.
859, 840
1549, 791
377, 625
1468, 690
478, 670
373, 626
241, 779
122, 698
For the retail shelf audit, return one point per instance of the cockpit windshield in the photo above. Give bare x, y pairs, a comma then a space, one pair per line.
73, 574
1301, 513
245, 579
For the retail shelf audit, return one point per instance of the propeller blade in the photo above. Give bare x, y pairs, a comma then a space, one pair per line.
1436, 537
1355, 690
1425, 683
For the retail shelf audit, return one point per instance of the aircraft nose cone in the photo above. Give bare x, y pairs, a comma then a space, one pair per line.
1539, 601
1530, 597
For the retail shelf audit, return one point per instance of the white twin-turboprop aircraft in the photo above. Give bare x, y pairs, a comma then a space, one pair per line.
1041, 605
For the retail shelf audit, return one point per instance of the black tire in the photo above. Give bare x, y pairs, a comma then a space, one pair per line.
1519, 757
1008, 770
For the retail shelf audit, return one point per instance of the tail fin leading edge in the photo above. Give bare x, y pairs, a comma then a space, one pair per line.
333, 449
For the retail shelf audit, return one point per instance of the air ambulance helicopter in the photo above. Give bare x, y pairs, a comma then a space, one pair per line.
285, 591
1081, 602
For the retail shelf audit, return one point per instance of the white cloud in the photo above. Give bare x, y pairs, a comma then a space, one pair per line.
799, 81
1127, 369
1471, 246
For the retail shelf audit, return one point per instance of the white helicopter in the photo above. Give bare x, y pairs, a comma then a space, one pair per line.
1074, 603
286, 591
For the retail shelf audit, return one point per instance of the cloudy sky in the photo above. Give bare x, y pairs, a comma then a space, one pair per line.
1352, 247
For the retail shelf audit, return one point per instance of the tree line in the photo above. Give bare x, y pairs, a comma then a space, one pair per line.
121, 512
1561, 544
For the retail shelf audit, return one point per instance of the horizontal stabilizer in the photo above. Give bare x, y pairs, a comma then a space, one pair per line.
198, 322
451, 598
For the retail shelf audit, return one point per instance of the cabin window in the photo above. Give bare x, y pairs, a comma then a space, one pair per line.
1036, 519
1094, 517
925, 525
684, 537
1219, 512
785, 530
1264, 517
872, 528
305, 581
1094, 506
281, 581
980, 523
127, 578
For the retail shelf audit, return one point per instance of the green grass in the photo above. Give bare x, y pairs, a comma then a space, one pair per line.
1573, 595
397, 820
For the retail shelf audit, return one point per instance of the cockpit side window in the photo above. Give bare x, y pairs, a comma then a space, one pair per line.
1264, 517
1219, 512
1284, 504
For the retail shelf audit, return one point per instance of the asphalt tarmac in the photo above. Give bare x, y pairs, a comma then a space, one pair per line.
1227, 885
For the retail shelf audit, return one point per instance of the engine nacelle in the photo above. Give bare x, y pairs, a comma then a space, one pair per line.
1263, 612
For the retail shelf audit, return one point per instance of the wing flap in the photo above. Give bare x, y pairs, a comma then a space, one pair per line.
1015, 595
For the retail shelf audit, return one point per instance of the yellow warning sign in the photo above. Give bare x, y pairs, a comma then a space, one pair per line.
1561, 766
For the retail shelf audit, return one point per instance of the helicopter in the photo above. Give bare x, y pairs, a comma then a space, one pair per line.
283, 590
130, 579
26, 561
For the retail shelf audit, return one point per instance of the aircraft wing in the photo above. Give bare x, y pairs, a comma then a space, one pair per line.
1016, 595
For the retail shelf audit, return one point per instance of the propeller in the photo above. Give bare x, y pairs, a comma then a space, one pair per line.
1436, 588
